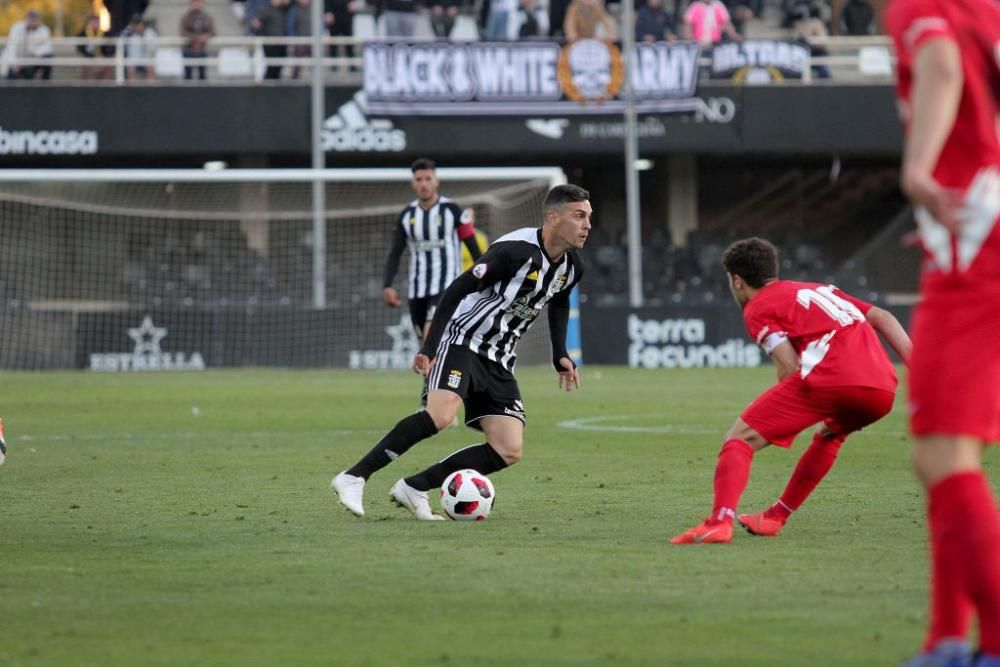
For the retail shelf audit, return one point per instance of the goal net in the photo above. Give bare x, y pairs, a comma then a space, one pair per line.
163, 270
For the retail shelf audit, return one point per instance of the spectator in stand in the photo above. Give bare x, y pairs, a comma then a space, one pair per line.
557, 17
197, 27
299, 24
443, 15
400, 18
29, 38
740, 13
338, 16
530, 21
857, 18
707, 20
498, 18
808, 26
140, 45
121, 12
584, 17
92, 32
270, 22
654, 24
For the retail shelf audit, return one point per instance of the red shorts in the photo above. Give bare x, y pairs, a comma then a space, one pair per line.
955, 367
792, 405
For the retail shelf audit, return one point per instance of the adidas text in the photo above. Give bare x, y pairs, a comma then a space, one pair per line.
365, 140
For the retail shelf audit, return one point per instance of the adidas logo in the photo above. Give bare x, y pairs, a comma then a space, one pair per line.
350, 130
532, 276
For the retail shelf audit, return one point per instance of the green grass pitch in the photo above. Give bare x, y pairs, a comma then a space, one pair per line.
186, 519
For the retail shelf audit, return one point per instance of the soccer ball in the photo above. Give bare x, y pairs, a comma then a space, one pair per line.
467, 496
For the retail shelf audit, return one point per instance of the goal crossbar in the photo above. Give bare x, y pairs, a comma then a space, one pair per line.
554, 175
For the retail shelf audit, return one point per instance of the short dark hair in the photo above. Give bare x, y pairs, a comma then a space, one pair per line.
755, 260
564, 194
421, 164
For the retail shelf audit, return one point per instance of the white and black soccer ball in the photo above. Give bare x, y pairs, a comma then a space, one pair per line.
467, 496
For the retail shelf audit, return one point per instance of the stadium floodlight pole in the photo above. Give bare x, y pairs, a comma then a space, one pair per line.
318, 158
632, 217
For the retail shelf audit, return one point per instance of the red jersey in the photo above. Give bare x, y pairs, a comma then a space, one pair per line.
970, 157
828, 330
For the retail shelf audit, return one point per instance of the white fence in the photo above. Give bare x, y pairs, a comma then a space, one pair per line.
242, 59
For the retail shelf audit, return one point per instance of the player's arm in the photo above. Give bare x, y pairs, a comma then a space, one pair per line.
886, 324
495, 266
934, 100
767, 330
459, 288
785, 358
389, 295
569, 376
466, 231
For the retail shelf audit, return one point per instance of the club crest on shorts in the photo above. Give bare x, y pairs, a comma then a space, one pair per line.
479, 270
454, 379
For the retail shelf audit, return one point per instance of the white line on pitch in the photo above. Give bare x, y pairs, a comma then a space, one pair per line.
188, 435
598, 424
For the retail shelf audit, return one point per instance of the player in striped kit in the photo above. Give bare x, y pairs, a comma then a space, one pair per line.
431, 226
470, 350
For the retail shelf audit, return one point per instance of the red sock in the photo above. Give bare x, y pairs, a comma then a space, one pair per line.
951, 606
732, 473
815, 463
966, 527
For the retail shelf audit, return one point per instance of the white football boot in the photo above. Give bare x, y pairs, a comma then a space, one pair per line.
404, 495
350, 490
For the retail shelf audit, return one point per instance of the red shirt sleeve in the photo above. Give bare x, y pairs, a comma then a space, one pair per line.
762, 326
914, 22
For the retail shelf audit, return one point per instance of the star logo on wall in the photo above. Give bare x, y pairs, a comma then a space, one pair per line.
404, 340
147, 337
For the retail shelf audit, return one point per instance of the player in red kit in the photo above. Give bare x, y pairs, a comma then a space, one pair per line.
948, 72
831, 368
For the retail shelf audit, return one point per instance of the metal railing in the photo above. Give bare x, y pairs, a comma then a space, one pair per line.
844, 58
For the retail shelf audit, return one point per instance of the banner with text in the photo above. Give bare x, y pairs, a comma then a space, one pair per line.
523, 78
756, 61
668, 337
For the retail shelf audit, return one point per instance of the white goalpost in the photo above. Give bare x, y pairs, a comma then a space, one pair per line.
157, 269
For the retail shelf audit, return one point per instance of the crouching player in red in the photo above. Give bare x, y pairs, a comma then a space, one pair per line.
831, 369
948, 88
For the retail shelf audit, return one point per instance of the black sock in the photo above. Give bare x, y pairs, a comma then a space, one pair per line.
481, 458
408, 432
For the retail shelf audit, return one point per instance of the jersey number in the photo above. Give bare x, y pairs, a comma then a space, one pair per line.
841, 311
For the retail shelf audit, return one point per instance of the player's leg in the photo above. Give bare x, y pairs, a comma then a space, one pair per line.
732, 472
812, 467
961, 514
492, 405
775, 417
503, 446
421, 322
418, 316
955, 409
430, 308
853, 408
451, 379
442, 406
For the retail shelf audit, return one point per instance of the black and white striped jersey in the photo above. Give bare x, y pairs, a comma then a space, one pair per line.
432, 237
516, 279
